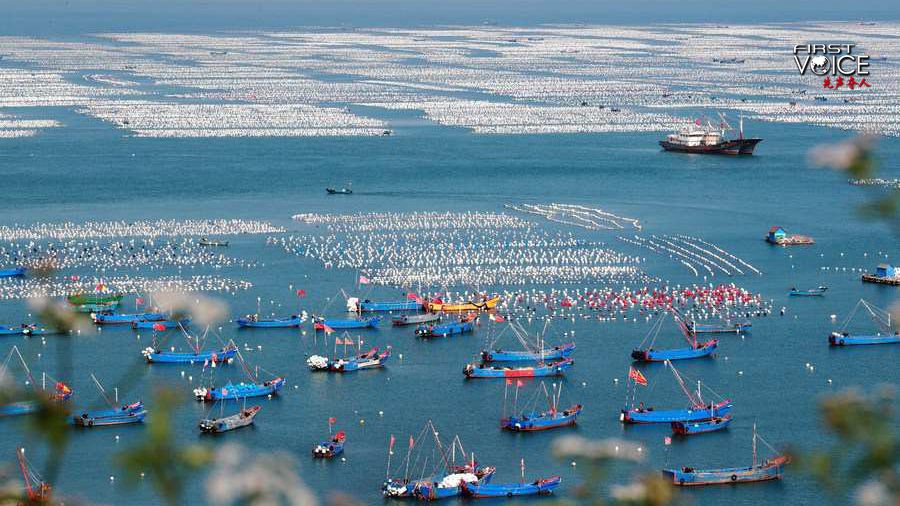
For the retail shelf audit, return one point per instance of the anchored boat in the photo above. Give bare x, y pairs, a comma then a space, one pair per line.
354, 305
126, 318
445, 329
361, 323
534, 349
770, 469
255, 388
114, 415
486, 303
532, 420
697, 349
543, 486
544, 369
705, 138
812, 292
701, 427
882, 319
254, 321
331, 448
416, 319
154, 355
224, 424
36, 489
699, 410
15, 272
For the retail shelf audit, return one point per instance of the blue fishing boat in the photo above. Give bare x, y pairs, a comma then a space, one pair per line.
445, 329
331, 448
253, 321
60, 393
532, 419
355, 305
370, 359
240, 390
24, 329
157, 356
698, 410
695, 350
125, 318
701, 427
14, 272
544, 486
130, 413
881, 318
812, 292
361, 323
544, 369
415, 319
770, 469
160, 325
95, 307
720, 328
556, 352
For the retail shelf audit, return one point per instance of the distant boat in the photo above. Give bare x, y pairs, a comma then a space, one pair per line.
696, 349
770, 469
160, 325
702, 426
211, 242
155, 355
812, 292
331, 448
354, 305
15, 272
533, 420
534, 349
445, 329
360, 323
25, 329
340, 191
242, 390
708, 139
882, 319
254, 321
370, 359
699, 409
415, 319
82, 299
114, 415
543, 369
437, 305
218, 425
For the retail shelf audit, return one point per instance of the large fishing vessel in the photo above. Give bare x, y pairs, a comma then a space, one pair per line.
709, 139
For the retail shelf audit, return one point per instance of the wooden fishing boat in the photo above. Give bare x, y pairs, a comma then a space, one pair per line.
253, 321
82, 299
549, 369
14, 272
330, 449
812, 292
240, 391
544, 486
883, 335
36, 490
711, 425
696, 349
156, 356
361, 323
131, 413
416, 319
651, 355
556, 352
699, 410
210, 242
445, 329
160, 325
61, 391
125, 318
367, 306
437, 305
235, 421
370, 359
770, 469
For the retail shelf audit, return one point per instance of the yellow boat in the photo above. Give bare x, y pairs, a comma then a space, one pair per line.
483, 305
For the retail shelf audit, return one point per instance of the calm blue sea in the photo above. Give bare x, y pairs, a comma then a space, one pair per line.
87, 170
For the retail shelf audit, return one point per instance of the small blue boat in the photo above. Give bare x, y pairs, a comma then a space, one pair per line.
540, 370
330, 449
701, 427
445, 329
15, 272
105, 307
160, 325
543, 486
882, 319
770, 469
371, 359
812, 292
239, 391
155, 356
126, 318
557, 352
361, 323
651, 355
253, 321
130, 413
367, 306
24, 329
542, 420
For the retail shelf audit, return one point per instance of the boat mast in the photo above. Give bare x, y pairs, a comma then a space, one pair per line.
20, 455
754, 445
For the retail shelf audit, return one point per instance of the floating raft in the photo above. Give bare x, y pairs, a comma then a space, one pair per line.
779, 237
885, 274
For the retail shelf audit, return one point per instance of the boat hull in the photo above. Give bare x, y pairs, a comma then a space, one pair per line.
533, 422
465, 306
240, 391
728, 147
380, 307
558, 352
276, 323
770, 470
416, 319
15, 272
702, 427
172, 357
126, 319
351, 324
837, 339
538, 487
645, 416
444, 330
557, 369
651, 355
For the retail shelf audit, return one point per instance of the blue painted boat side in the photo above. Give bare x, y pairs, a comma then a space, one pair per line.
368, 306
772, 469
845, 339
538, 487
557, 352
353, 324
701, 427
444, 329
174, 357
272, 323
651, 355
169, 324
13, 272
536, 420
675, 415
126, 318
240, 390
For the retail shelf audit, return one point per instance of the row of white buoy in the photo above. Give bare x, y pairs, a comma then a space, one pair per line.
29, 288
140, 228
589, 218
694, 253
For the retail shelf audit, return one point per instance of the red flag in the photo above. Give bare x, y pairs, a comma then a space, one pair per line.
499, 319
412, 296
697, 122
364, 280
332, 420
139, 300
327, 329
412, 442
301, 293
159, 327
667, 441
520, 383
508, 381
636, 375
391, 444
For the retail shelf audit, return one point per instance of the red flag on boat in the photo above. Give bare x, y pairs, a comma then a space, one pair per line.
636, 375
100, 287
139, 300
301, 293
520, 383
412, 296
332, 420
159, 327
391, 444
697, 121
499, 319
364, 280
667, 441
412, 442
327, 329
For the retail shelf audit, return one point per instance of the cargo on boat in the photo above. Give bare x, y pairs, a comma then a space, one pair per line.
330, 449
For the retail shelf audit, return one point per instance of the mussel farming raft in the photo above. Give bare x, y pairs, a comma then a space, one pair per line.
885, 274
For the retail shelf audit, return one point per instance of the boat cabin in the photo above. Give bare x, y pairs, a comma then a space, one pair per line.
776, 234
885, 271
